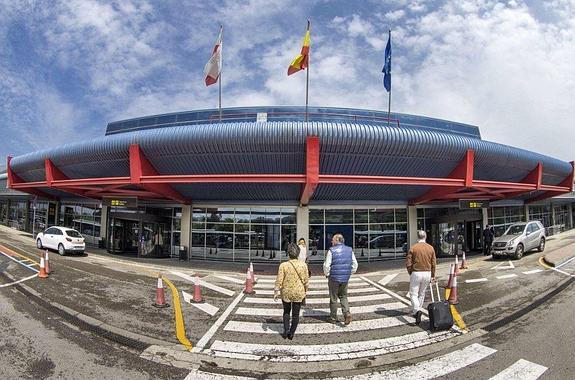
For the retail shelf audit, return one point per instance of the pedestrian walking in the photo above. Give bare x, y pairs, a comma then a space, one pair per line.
487, 240
339, 264
291, 285
420, 263
302, 250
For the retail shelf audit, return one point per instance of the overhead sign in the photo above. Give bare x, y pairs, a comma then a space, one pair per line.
120, 201
262, 117
466, 204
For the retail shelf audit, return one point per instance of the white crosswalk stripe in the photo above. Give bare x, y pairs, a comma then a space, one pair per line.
319, 328
312, 280
267, 292
521, 370
315, 301
387, 279
267, 312
270, 285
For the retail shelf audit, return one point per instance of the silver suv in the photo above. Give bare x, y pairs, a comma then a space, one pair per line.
518, 239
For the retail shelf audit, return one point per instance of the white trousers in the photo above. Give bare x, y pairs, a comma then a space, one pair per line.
418, 282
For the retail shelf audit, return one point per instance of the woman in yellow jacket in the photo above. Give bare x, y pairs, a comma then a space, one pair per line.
291, 283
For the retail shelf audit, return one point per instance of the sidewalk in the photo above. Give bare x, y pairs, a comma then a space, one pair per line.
563, 254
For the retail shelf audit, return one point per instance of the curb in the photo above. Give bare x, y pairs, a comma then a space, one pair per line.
556, 263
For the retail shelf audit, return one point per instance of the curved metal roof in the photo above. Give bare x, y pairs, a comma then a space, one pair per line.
278, 147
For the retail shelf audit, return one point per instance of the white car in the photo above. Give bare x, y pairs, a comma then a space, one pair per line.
63, 239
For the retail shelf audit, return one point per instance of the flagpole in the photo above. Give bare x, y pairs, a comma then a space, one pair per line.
307, 78
221, 69
389, 97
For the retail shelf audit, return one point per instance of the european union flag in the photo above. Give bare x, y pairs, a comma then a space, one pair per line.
387, 65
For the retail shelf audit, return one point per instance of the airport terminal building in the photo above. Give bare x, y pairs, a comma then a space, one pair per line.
240, 185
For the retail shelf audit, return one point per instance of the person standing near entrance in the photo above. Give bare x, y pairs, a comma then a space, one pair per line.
420, 263
339, 264
487, 240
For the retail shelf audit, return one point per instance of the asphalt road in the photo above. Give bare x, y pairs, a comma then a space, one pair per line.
35, 344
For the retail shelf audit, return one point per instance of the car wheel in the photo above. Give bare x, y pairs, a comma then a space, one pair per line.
519, 252
541, 247
61, 250
39, 244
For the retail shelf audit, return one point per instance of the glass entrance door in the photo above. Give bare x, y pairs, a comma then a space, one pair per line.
123, 236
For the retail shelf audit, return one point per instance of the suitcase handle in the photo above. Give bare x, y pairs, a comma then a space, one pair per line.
431, 291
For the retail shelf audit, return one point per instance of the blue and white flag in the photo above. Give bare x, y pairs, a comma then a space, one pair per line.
387, 65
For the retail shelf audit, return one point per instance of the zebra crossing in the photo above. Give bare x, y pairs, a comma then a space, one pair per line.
453, 365
381, 324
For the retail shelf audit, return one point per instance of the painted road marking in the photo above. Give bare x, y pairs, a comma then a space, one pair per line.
506, 276
19, 281
327, 352
230, 279
509, 266
268, 312
387, 279
204, 306
29, 266
471, 281
180, 328
210, 333
322, 280
521, 370
204, 283
566, 262
196, 374
432, 368
261, 285
533, 271
321, 292
319, 328
315, 301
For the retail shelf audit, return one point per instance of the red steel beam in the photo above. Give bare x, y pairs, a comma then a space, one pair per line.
567, 183
463, 171
140, 166
312, 169
224, 178
53, 174
17, 183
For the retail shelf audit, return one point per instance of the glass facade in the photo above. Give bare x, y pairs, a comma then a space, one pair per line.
242, 233
374, 234
500, 218
84, 218
542, 213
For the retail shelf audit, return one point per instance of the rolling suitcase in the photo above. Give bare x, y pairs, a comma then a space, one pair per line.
440, 317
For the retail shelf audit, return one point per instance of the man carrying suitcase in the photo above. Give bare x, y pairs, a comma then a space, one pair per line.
420, 263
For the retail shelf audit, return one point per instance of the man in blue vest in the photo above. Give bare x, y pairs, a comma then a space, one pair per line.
339, 264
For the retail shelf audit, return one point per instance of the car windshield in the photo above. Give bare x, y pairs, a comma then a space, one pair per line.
515, 230
73, 233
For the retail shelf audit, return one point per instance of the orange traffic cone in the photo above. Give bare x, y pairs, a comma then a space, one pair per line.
453, 293
456, 265
197, 298
42, 273
254, 279
463, 266
47, 263
160, 297
249, 284
451, 275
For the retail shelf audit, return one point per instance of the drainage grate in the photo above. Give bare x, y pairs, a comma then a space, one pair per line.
116, 338
518, 314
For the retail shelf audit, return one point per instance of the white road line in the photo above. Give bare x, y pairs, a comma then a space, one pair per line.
432, 368
506, 276
509, 266
204, 306
393, 294
566, 262
327, 352
322, 280
565, 273
471, 281
210, 333
267, 292
533, 271
269, 312
204, 283
316, 301
521, 370
196, 374
387, 279
265, 285
230, 279
318, 328
19, 281
20, 262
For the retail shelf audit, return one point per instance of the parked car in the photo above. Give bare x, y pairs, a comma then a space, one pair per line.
518, 239
62, 239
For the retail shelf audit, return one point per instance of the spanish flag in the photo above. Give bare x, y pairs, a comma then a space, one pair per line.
302, 60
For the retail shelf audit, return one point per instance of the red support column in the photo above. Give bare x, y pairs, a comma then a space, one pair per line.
464, 170
567, 183
312, 169
13, 179
55, 174
140, 166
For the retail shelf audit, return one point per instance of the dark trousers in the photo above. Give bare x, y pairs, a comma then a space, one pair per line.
293, 308
487, 248
337, 290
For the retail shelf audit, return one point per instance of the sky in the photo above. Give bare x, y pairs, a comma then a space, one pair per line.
67, 68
